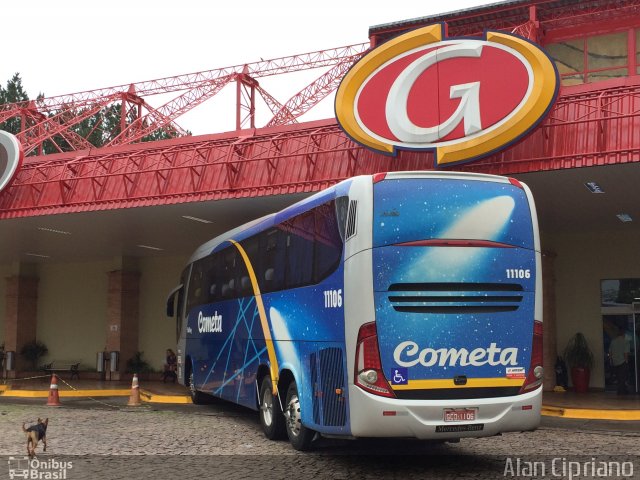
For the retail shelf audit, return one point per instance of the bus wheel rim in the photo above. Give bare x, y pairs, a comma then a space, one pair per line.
267, 408
293, 415
192, 387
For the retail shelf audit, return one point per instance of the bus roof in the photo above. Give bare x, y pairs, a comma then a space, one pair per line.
260, 224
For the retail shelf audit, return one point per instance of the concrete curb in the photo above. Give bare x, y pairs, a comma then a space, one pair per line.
149, 397
145, 395
590, 413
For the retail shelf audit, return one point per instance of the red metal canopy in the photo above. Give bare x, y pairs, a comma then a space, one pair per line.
585, 128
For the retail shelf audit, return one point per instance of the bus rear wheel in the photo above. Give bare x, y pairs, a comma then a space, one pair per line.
271, 418
299, 435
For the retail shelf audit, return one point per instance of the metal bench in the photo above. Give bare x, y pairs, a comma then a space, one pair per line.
60, 366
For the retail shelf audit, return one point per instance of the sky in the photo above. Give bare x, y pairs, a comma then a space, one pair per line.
69, 46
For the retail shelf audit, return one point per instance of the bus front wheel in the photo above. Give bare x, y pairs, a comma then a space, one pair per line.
198, 398
299, 435
271, 418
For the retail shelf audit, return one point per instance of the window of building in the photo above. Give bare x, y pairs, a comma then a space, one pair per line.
591, 59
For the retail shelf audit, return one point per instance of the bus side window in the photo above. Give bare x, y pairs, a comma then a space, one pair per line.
213, 285
227, 277
196, 285
328, 241
299, 270
272, 255
250, 246
342, 210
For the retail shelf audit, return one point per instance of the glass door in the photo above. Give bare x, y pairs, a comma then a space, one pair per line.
612, 326
620, 310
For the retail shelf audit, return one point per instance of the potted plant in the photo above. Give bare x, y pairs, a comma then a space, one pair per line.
32, 351
579, 357
139, 365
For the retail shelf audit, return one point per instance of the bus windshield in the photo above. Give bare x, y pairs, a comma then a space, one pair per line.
409, 210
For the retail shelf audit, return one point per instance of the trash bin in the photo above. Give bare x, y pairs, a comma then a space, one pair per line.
100, 358
113, 361
10, 361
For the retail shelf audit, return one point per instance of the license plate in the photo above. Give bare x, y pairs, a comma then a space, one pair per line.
460, 414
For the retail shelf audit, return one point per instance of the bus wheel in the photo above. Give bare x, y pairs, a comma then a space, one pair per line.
299, 435
271, 418
198, 398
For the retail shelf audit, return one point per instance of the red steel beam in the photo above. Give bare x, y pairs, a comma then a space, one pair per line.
156, 118
263, 68
311, 95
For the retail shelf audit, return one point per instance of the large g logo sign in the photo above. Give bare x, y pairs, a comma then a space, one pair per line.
462, 98
11, 156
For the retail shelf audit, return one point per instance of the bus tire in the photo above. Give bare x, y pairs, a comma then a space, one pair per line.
299, 435
271, 417
198, 398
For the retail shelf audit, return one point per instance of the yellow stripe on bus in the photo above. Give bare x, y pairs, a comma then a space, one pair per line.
271, 351
471, 383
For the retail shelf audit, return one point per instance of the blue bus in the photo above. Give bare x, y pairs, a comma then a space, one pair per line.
403, 304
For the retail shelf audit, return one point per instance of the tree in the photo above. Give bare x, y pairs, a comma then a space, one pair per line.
98, 129
12, 94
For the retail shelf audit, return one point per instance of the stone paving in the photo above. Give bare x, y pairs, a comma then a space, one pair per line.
225, 441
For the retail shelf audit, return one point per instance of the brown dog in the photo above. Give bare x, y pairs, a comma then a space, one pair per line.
35, 433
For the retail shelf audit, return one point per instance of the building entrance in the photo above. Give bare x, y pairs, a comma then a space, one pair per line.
621, 317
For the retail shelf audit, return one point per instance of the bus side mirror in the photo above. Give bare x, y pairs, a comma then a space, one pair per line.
171, 300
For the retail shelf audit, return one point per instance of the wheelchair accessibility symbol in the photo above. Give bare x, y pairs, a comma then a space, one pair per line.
399, 376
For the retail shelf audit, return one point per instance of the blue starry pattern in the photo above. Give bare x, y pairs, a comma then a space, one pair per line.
444, 297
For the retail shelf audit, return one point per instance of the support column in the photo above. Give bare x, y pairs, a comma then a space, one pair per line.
549, 339
123, 316
21, 314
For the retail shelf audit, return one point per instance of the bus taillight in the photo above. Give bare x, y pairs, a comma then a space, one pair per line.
515, 183
534, 377
368, 371
378, 177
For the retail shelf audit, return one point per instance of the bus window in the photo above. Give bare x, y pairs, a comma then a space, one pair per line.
299, 269
342, 209
212, 284
328, 241
228, 274
251, 248
271, 270
233, 277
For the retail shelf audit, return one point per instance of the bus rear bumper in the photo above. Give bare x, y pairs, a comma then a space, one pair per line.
374, 416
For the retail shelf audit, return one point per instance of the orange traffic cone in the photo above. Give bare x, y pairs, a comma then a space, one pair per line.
54, 399
134, 399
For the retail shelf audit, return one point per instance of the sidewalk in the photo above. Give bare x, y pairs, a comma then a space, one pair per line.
150, 391
590, 406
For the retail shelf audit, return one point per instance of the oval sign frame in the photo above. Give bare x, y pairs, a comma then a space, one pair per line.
10, 148
541, 96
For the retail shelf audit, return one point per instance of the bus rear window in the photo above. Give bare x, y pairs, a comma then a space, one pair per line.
408, 210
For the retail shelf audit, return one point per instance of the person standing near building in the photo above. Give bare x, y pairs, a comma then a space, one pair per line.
170, 366
619, 355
